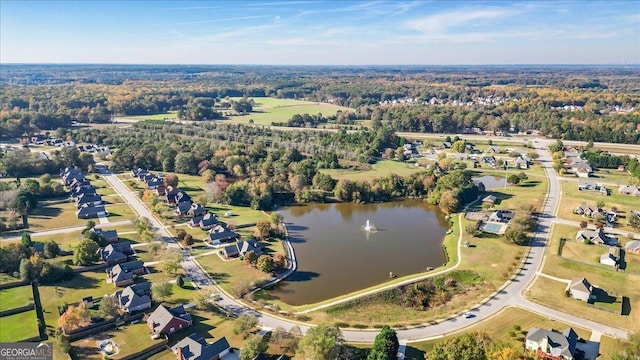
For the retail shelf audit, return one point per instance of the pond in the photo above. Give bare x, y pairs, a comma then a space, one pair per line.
336, 255
489, 181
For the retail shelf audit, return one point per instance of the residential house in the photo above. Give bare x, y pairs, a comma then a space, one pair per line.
88, 199
445, 145
146, 178
208, 221
491, 160
137, 173
160, 190
116, 253
230, 251
577, 165
220, 234
176, 197
91, 212
494, 149
194, 347
585, 210
251, 245
110, 235
197, 210
582, 173
123, 274
612, 257
580, 289
83, 189
166, 321
183, 208
134, 297
597, 237
195, 221
632, 247
503, 216
154, 182
521, 163
76, 183
629, 190
552, 345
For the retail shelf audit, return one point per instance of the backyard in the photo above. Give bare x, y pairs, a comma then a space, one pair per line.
19, 327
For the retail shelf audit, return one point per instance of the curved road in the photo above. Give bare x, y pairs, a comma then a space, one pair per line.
509, 295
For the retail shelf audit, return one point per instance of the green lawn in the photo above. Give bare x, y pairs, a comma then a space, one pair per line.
120, 212
15, 297
227, 273
54, 216
164, 116
268, 110
498, 328
130, 339
380, 169
6, 278
19, 327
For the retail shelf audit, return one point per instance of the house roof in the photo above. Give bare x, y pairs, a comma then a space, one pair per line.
126, 267
208, 220
86, 210
560, 344
595, 236
246, 246
108, 234
196, 219
194, 347
581, 284
628, 189
183, 207
162, 316
87, 197
38, 247
220, 232
230, 250
133, 296
632, 245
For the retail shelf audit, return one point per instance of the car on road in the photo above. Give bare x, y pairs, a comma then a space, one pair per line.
468, 315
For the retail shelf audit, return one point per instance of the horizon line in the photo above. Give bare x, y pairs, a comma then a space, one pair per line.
317, 65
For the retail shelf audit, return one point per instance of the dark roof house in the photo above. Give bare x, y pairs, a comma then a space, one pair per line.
89, 212
221, 234
194, 347
134, 297
167, 321
551, 344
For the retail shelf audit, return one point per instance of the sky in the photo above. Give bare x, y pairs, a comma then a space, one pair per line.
276, 32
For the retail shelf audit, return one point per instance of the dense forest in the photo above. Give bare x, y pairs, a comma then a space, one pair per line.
570, 102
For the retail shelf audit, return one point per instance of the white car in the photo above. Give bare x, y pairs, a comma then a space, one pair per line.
468, 315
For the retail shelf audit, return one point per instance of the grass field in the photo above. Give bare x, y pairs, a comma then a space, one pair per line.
19, 327
129, 338
227, 273
164, 116
378, 170
119, 212
498, 328
6, 278
268, 110
15, 297
54, 216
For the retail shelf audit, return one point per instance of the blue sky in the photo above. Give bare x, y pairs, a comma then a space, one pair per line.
320, 32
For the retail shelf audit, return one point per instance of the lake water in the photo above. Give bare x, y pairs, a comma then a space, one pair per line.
336, 256
490, 182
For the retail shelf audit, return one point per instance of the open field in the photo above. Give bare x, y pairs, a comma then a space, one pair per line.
268, 110
498, 328
380, 169
119, 212
19, 327
227, 273
15, 297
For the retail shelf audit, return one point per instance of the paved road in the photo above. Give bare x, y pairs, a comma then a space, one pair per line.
61, 230
510, 295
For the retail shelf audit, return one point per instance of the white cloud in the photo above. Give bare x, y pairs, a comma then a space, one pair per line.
441, 23
223, 19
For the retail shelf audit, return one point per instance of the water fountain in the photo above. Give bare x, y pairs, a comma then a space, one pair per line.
370, 227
